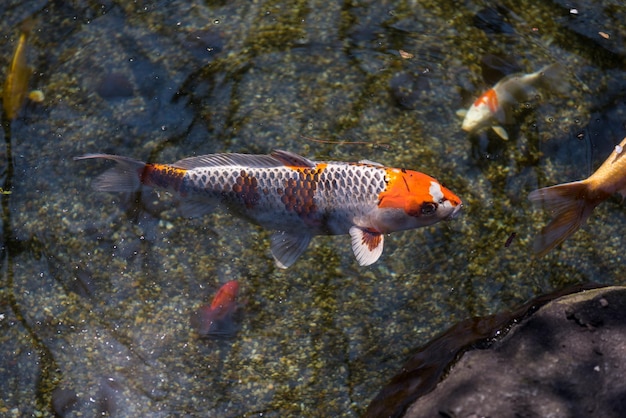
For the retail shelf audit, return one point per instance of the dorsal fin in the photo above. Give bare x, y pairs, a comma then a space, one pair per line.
291, 159
370, 162
219, 160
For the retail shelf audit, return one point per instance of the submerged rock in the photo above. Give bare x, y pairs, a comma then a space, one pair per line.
564, 360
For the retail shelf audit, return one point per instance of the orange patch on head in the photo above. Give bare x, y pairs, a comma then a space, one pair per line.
406, 189
490, 99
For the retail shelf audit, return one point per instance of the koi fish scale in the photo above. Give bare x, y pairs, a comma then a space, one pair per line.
301, 197
296, 197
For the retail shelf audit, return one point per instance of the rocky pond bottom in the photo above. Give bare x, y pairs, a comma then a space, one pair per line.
563, 356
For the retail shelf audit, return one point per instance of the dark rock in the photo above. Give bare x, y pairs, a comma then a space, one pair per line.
493, 20
596, 28
565, 360
409, 90
63, 401
114, 85
203, 43
496, 67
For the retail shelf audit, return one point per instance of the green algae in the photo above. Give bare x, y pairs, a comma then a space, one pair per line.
109, 284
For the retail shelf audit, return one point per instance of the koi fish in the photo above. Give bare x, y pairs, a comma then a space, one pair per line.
572, 203
18, 74
295, 197
495, 107
216, 319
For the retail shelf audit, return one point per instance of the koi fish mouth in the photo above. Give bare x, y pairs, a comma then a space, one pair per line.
455, 212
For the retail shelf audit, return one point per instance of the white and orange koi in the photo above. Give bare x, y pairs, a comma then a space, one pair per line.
495, 107
294, 196
572, 203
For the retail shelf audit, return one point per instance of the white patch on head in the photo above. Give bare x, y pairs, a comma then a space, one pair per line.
435, 191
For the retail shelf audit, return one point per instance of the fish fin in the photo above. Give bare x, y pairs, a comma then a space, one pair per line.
367, 244
370, 162
124, 177
214, 322
291, 159
195, 206
554, 77
500, 131
571, 209
220, 160
287, 247
461, 113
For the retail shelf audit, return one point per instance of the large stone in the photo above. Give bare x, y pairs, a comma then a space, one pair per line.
568, 359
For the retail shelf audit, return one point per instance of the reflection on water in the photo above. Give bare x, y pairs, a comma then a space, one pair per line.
97, 288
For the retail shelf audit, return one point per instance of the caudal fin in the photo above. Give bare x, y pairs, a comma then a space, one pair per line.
570, 205
124, 177
553, 77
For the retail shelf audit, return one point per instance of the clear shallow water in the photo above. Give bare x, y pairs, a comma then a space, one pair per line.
97, 291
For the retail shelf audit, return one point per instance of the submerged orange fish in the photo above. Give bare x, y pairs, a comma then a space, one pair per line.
495, 107
216, 319
294, 196
18, 73
572, 203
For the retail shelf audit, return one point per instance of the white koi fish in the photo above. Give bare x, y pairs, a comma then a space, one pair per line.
294, 196
495, 107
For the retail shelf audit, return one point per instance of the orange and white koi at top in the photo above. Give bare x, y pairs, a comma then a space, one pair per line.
294, 196
494, 108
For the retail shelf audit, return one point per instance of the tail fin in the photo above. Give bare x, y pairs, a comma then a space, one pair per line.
124, 177
554, 78
571, 207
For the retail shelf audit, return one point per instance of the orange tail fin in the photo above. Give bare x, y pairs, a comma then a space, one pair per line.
570, 204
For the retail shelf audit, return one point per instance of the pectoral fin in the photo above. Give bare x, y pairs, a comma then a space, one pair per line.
500, 131
288, 246
195, 207
367, 245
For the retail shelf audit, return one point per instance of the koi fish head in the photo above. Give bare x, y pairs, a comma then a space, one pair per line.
414, 199
482, 112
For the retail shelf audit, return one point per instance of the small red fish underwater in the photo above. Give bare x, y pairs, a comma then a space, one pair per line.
572, 203
295, 197
217, 319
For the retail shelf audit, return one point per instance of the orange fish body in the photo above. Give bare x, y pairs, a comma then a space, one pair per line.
295, 197
18, 74
216, 319
494, 108
572, 203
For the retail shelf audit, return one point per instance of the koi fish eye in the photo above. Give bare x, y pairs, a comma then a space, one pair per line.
428, 208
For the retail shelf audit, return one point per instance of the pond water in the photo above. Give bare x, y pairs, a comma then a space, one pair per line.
97, 288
